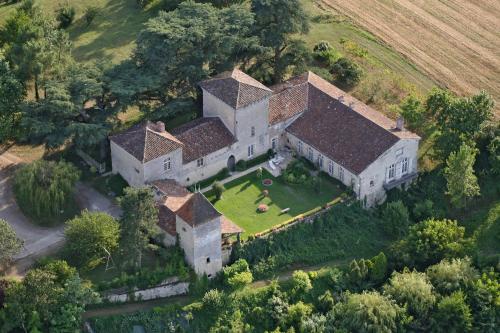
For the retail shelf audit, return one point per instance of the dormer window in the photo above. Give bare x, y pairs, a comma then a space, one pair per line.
252, 131
320, 161
167, 164
199, 162
310, 153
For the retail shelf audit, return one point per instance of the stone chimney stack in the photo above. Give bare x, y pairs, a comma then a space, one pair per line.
160, 126
400, 123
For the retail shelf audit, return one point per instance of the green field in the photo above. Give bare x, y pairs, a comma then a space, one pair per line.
242, 197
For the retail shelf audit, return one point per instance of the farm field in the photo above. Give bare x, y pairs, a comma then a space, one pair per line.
456, 42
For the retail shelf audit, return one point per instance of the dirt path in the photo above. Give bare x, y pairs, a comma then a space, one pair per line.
456, 42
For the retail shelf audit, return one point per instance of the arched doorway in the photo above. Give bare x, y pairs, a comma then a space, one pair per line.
231, 163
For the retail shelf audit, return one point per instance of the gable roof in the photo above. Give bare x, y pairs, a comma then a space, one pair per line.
197, 210
288, 99
147, 141
202, 137
343, 128
174, 197
236, 88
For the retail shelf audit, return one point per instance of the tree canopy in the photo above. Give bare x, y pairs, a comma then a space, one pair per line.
12, 94
10, 244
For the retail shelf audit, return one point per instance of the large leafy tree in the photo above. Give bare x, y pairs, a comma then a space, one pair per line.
276, 23
12, 95
178, 49
452, 314
138, 223
428, 242
91, 237
44, 189
52, 297
368, 312
10, 244
62, 115
461, 181
458, 119
452, 275
34, 46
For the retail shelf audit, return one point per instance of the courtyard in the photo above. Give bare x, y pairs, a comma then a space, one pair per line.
242, 197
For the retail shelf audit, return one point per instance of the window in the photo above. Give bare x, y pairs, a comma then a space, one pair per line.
274, 143
199, 162
372, 183
136, 170
208, 260
341, 174
399, 152
392, 171
330, 168
250, 150
252, 131
320, 161
167, 165
310, 153
404, 166
183, 229
300, 147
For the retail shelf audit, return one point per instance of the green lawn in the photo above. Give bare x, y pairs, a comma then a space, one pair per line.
242, 196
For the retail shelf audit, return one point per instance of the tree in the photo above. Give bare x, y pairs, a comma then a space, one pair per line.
218, 189
347, 72
238, 274
300, 284
484, 300
461, 182
413, 111
452, 314
138, 223
65, 15
45, 299
44, 189
178, 49
12, 95
61, 116
396, 219
458, 119
91, 237
10, 244
413, 291
452, 275
368, 312
378, 269
276, 22
494, 151
428, 242
90, 14
358, 272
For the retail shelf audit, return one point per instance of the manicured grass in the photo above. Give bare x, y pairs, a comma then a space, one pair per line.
242, 196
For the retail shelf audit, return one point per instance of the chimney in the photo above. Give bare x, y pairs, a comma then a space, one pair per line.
160, 126
400, 123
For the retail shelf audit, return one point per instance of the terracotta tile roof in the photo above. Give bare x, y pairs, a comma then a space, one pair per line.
197, 210
288, 100
147, 141
174, 196
228, 227
236, 88
202, 137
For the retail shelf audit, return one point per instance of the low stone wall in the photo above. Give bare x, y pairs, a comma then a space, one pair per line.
100, 167
168, 288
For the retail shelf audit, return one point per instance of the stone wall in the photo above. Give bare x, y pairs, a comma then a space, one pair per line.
168, 288
127, 166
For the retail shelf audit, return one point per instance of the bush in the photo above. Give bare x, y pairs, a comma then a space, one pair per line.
238, 274
451, 275
241, 165
301, 284
65, 15
90, 14
44, 189
452, 314
395, 219
218, 189
347, 72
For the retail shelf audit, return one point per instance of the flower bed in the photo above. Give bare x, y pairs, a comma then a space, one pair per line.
267, 182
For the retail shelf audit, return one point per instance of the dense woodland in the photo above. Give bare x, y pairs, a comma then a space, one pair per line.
428, 259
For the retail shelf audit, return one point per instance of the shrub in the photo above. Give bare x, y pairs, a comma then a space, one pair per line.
218, 189
238, 274
240, 280
301, 284
258, 172
263, 208
423, 210
213, 300
90, 14
347, 72
241, 165
10, 244
378, 269
65, 15
326, 302
44, 189
452, 314
395, 219
322, 46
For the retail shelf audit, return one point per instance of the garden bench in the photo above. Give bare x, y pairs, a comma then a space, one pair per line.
286, 210
271, 164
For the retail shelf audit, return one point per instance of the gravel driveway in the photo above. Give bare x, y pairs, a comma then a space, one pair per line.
40, 241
